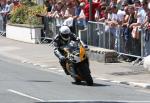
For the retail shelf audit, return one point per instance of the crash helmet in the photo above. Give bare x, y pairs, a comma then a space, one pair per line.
65, 32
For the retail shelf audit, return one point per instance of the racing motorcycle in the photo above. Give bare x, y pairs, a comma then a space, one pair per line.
77, 63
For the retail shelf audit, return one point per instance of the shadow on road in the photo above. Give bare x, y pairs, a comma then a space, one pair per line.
99, 85
40, 81
94, 85
82, 102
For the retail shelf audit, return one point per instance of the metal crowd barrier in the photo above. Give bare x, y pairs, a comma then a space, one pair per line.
51, 28
48, 29
100, 35
2, 31
97, 36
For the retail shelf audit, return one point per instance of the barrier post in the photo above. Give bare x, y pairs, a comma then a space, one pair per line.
104, 36
109, 39
119, 39
142, 42
2, 25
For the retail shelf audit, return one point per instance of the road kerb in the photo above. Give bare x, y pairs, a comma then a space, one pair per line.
143, 85
134, 84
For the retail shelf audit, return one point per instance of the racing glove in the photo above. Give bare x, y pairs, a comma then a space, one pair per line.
62, 59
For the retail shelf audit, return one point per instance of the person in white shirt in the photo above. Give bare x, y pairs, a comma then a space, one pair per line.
112, 25
140, 14
141, 17
4, 12
5, 8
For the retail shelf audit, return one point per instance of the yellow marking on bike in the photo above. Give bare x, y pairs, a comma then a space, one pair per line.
82, 53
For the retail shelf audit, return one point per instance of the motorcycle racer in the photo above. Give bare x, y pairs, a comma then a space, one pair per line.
64, 37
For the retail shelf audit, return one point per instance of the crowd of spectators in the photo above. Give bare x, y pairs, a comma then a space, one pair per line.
129, 16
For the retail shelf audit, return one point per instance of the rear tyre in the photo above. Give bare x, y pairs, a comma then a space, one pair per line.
89, 80
77, 81
85, 73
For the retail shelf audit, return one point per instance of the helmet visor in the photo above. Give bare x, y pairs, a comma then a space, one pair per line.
66, 36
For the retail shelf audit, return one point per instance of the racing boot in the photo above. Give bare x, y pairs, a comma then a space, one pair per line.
63, 64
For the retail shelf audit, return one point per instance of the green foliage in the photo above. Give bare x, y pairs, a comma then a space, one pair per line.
28, 2
27, 15
19, 15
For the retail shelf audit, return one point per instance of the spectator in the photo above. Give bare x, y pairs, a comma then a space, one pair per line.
48, 5
140, 15
147, 35
10, 2
103, 14
70, 10
86, 11
112, 25
16, 4
59, 10
0, 6
113, 3
130, 18
121, 13
58, 14
4, 12
77, 8
119, 3
45, 18
53, 8
5, 7
121, 19
81, 20
130, 2
69, 16
145, 5
77, 13
106, 12
148, 1
100, 14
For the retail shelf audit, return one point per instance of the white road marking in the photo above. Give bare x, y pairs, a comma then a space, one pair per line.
53, 68
60, 70
98, 101
9, 48
58, 73
43, 66
51, 71
114, 81
25, 95
103, 79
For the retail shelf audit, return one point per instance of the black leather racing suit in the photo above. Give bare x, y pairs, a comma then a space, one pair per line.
58, 43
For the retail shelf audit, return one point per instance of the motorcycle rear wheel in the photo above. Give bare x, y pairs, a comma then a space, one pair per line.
89, 80
77, 81
86, 74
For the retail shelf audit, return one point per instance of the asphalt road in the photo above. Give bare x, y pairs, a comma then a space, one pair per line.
25, 83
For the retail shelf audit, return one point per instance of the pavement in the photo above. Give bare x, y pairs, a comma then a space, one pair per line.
42, 55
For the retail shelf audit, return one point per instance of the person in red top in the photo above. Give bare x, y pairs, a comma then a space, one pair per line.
86, 10
85, 1
16, 5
